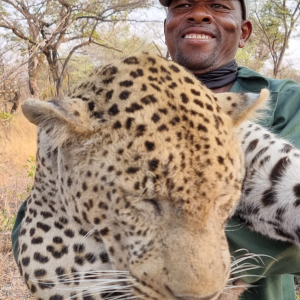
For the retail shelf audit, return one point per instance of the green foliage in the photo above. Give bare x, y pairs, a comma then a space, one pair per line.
274, 24
78, 68
7, 220
5, 116
270, 19
30, 169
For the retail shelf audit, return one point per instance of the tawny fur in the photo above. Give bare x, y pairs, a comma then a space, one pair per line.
137, 172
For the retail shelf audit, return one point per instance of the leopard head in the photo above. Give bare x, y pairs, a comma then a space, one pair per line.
147, 157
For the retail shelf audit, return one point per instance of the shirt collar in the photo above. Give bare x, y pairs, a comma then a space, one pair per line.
250, 80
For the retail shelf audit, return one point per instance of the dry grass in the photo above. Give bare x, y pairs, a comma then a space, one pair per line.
11, 286
17, 139
17, 144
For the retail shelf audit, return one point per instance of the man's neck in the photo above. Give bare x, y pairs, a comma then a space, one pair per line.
221, 79
223, 89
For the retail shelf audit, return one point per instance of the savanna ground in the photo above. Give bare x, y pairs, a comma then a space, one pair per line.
17, 149
17, 165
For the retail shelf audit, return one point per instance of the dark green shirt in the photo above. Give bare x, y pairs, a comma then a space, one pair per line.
283, 117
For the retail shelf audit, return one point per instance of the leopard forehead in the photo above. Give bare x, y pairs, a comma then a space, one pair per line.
158, 123
138, 82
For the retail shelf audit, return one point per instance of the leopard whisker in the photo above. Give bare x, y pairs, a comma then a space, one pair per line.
109, 289
237, 227
242, 276
99, 281
238, 265
244, 267
90, 293
121, 297
105, 273
68, 281
87, 235
238, 286
105, 287
257, 257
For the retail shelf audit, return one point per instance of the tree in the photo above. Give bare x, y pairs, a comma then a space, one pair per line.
45, 25
287, 70
123, 38
277, 20
78, 68
9, 89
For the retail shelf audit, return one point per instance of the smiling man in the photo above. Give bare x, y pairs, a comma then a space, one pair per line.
204, 36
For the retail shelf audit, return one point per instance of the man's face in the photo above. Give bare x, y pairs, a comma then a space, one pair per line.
203, 35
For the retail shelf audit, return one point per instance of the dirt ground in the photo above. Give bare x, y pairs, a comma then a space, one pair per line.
11, 285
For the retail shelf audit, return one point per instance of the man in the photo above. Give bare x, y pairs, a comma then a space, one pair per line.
203, 36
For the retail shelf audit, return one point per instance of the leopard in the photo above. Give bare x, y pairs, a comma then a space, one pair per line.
137, 171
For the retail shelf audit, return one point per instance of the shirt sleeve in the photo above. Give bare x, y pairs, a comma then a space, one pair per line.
286, 116
16, 229
277, 258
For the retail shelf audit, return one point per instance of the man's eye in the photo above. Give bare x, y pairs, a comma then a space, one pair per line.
184, 5
218, 6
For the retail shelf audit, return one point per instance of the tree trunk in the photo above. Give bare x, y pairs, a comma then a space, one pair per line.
35, 64
275, 71
59, 89
16, 102
51, 56
33, 86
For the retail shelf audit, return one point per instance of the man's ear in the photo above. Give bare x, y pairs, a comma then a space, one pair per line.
243, 106
246, 30
165, 29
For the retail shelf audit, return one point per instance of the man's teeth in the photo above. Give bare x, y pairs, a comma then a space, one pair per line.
198, 36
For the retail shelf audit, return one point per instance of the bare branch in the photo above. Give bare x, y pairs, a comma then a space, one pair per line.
107, 47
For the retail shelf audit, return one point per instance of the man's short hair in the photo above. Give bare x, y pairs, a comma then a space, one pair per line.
245, 7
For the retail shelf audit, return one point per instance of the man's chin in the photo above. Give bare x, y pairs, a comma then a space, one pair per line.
197, 63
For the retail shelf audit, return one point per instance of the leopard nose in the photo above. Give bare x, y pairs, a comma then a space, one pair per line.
209, 297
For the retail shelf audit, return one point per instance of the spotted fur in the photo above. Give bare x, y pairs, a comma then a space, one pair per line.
137, 172
270, 203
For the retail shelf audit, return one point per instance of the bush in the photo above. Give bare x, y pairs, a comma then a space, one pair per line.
5, 116
7, 220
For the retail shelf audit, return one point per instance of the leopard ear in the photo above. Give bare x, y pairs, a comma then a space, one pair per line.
58, 118
243, 106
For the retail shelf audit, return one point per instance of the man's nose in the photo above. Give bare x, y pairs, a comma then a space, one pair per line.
199, 14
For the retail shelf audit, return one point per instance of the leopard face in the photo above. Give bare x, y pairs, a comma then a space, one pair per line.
140, 164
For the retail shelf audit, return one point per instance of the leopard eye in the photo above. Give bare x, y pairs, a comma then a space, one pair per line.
155, 204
